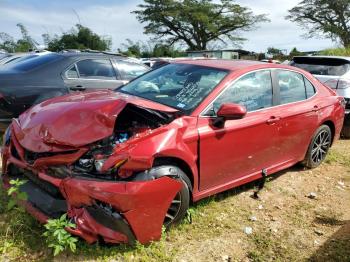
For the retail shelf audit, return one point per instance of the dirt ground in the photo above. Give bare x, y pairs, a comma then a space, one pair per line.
287, 224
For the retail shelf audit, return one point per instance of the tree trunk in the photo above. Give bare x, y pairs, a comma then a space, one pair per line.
346, 42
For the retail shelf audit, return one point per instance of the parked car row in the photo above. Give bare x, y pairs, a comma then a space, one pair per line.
39, 77
125, 163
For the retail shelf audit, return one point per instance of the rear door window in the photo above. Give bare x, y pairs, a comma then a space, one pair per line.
291, 85
34, 63
310, 89
96, 69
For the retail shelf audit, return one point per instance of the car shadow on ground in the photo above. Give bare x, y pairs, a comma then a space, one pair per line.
337, 247
247, 187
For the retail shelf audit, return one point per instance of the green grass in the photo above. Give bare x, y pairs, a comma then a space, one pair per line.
268, 247
336, 156
218, 220
336, 52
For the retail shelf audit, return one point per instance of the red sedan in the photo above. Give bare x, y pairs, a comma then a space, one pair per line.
123, 164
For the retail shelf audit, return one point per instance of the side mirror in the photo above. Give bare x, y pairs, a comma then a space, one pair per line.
229, 111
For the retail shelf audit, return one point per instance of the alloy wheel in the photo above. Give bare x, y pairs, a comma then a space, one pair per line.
173, 210
320, 146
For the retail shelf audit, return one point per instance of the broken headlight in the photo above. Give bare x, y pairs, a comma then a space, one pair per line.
93, 161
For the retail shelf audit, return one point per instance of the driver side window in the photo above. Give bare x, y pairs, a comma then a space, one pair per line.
254, 91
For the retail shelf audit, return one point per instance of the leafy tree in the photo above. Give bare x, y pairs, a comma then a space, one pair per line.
24, 44
196, 22
7, 42
164, 50
149, 49
131, 48
274, 51
330, 18
295, 52
79, 37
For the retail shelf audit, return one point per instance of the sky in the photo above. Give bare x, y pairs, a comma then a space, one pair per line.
112, 18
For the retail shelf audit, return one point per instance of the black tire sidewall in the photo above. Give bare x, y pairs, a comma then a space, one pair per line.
346, 132
185, 197
308, 162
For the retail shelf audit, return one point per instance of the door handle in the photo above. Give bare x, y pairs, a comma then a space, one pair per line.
77, 88
315, 108
273, 120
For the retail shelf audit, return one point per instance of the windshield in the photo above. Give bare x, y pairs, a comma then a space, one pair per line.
35, 62
180, 86
322, 66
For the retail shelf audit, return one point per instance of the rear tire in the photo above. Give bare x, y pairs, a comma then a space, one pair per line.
345, 133
318, 148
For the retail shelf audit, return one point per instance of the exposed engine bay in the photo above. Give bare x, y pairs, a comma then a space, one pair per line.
131, 123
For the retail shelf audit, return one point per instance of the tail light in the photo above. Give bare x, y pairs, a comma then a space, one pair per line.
342, 102
338, 84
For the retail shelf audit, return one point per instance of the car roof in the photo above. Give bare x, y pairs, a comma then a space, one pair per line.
223, 63
347, 58
89, 54
96, 55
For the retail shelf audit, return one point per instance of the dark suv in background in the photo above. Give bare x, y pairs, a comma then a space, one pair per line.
332, 71
34, 80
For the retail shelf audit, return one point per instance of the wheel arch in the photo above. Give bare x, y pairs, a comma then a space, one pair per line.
331, 125
185, 167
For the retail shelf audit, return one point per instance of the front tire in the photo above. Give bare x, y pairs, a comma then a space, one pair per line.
318, 148
179, 205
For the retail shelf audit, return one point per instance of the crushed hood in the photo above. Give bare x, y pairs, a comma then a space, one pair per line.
72, 121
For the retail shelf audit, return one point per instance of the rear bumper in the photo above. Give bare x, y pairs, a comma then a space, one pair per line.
116, 211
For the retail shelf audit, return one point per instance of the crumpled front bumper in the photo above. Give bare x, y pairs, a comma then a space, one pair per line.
118, 212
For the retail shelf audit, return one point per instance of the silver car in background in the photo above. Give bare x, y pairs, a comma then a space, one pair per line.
332, 71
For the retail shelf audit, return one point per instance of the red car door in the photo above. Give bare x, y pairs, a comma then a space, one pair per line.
244, 147
298, 112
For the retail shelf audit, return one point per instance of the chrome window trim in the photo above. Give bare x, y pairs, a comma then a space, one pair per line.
207, 108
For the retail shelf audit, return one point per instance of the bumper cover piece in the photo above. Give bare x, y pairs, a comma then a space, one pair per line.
138, 207
40, 199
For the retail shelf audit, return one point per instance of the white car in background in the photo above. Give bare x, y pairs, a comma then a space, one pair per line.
332, 71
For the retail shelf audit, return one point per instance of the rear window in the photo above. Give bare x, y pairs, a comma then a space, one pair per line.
34, 62
20, 58
322, 66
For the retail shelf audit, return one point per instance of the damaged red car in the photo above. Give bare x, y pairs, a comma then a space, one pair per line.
124, 163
